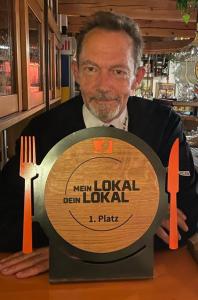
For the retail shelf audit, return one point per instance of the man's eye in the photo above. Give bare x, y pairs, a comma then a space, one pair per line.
90, 69
120, 73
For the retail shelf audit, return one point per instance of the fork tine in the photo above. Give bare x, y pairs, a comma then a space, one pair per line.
21, 150
33, 150
29, 149
25, 149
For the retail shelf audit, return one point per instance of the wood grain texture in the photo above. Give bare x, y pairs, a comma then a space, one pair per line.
160, 19
168, 283
122, 185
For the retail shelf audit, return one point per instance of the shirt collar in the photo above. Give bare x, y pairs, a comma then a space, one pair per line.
91, 121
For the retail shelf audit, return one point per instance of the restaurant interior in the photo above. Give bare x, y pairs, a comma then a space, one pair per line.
37, 46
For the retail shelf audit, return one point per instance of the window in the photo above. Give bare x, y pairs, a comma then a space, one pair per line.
9, 58
6, 50
53, 5
57, 68
35, 67
22, 57
50, 63
32, 40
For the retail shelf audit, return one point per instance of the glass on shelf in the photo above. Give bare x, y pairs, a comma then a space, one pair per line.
192, 137
50, 66
35, 68
7, 82
186, 78
186, 92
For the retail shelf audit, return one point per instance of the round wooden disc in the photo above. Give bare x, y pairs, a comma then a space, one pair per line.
101, 194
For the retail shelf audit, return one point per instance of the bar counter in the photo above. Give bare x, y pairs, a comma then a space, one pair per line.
175, 277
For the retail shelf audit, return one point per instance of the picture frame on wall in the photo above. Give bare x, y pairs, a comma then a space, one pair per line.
145, 90
165, 90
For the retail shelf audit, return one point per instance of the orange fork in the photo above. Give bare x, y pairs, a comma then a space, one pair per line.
27, 171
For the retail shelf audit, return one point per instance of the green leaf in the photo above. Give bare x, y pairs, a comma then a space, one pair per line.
186, 18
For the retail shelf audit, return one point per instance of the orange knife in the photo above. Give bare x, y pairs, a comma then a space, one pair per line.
173, 188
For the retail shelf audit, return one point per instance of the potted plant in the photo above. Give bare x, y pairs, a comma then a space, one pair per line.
186, 7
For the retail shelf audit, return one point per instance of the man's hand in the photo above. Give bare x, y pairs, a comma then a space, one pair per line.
165, 226
26, 265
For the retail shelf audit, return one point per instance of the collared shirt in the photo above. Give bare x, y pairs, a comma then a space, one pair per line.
91, 121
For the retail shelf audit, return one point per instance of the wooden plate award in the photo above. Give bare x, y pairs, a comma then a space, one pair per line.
100, 197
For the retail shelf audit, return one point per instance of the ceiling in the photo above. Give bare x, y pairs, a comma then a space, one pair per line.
161, 23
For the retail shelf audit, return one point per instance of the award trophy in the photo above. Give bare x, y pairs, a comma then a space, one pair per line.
100, 197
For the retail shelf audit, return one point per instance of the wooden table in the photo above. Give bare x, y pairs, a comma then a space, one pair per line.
176, 277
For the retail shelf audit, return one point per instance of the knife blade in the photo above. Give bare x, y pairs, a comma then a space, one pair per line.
173, 188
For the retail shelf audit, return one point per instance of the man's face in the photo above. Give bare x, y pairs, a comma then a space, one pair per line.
105, 72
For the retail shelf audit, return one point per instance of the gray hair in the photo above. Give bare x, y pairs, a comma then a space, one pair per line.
113, 22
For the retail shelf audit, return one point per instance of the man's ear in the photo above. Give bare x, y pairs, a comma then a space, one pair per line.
75, 71
138, 77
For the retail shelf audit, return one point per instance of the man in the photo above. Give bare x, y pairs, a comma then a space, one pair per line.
107, 69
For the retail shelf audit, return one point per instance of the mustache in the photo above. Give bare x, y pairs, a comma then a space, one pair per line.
104, 96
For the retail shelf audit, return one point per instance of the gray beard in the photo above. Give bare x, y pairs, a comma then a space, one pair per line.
104, 115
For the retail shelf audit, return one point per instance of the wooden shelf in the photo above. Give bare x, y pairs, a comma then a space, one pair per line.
55, 101
184, 103
189, 118
13, 119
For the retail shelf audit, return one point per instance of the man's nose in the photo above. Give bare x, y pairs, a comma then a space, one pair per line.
104, 81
